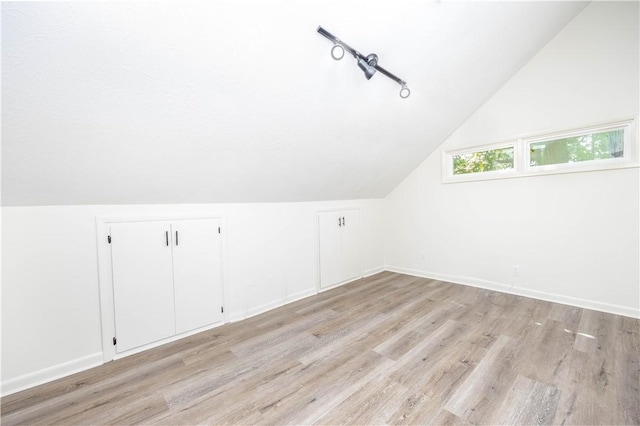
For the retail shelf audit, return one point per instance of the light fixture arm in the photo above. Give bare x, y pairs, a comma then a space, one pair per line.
391, 76
344, 45
404, 91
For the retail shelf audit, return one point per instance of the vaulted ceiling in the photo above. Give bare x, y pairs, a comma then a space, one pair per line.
240, 101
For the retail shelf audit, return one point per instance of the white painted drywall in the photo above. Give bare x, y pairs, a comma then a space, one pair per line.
574, 237
239, 100
50, 291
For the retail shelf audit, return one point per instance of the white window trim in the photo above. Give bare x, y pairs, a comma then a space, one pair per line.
522, 157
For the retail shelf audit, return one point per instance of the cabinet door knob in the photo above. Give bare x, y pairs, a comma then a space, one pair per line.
343, 222
166, 236
176, 237
339, 223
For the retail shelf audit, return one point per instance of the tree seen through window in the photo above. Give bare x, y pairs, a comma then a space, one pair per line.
593, 146
483, 161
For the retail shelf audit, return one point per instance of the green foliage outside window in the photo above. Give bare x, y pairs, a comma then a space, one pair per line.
594, 146
483, 161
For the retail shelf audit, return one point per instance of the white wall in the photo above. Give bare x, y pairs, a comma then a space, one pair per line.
51, 322
575, 236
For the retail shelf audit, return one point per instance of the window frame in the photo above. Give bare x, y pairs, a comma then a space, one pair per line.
448, 175
582, 166
522, 155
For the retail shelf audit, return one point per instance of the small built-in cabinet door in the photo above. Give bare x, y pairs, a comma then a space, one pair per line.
351, 265
329, 230
339, 235
197, 260
142, 283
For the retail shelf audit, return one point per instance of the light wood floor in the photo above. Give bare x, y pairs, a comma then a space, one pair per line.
387, 349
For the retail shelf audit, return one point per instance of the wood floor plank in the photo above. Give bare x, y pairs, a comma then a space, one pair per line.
388, 349
425, 400
224, 396
249, 417
488, 385
129, 414
359, 287
629, 335
627, 388
319, 346
427, 353
401, 319
277, 336
528, 403
328, 345
372, 404
106, 394
595, 394
595, 333
399, 344
569, 316
445, 418
548, 351
324, 391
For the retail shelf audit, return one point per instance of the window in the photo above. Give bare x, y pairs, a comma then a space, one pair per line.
483, 161
596, 148
589, 147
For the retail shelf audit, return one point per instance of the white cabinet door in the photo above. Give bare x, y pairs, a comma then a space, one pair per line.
142, 283
329, 226
339, 234
197, 260
351, 268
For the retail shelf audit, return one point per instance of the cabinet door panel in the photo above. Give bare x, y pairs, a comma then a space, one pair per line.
197, 260
329, 229
351, 265
142, 283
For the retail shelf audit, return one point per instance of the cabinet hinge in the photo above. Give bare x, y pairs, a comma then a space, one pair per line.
218, 229
109, 239
115, 341
222, 309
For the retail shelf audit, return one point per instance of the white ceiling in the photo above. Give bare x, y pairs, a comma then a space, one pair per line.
240, 101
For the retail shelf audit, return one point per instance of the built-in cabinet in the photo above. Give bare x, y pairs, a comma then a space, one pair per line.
167, 279
339, 252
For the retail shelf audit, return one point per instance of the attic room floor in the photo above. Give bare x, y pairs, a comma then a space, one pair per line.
389, 349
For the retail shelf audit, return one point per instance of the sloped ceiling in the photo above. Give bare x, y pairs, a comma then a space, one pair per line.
238, 101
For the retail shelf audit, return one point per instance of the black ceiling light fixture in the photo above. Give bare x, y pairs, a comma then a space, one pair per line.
368, 64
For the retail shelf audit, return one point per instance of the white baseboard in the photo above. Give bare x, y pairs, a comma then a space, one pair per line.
521, 291
340, 284
256, 310
301, 295
49, 374
372, 271
277, 303
157, 343
235, 316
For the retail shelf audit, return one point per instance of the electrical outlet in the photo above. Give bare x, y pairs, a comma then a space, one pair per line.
516, 270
